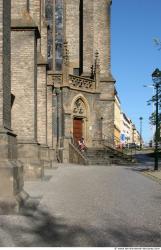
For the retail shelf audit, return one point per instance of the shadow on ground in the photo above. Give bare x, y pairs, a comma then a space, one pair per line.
40, 229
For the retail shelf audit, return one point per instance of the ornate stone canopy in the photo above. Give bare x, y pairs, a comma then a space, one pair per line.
79, 108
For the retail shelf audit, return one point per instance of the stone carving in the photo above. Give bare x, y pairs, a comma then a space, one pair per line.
79, 108
57, 79
97, 62
83, 83
65, 54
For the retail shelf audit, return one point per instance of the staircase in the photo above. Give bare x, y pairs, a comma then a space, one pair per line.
98, 156
106, 156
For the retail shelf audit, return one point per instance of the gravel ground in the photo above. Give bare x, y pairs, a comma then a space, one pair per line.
90, 206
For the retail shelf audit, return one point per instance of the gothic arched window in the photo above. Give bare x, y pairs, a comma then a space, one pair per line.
49, 9
58, 34
49, 18
56, 38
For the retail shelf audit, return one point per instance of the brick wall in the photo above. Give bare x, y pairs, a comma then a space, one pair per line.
44, 39
24, 66
18, 7
72, 31
41, 105
96, 34
102, 33
88, 32
107, 111
35, 12
49, 117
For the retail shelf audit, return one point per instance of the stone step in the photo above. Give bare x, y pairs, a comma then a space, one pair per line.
99, 156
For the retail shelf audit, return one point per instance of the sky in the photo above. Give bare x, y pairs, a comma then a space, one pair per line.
134, 56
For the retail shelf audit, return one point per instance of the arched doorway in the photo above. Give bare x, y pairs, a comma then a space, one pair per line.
77, 128
79, 120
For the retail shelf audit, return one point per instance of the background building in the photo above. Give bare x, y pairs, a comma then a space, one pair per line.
117, 120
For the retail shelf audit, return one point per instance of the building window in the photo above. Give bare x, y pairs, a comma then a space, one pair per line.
49, 19
58, 34
56, 38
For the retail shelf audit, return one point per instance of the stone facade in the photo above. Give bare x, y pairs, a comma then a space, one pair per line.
11, 170
71, 30
61, 82
24, 87
85, 78
29, 85
117, 121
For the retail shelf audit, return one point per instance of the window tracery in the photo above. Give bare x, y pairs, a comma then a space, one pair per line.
58, 34
49, 18
57, 38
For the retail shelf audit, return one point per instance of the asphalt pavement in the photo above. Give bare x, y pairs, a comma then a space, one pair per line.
88, 206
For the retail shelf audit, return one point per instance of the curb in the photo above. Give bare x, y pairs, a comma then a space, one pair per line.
154, 178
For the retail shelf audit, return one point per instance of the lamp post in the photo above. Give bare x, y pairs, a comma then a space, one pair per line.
153, 127
141, 119
156, 76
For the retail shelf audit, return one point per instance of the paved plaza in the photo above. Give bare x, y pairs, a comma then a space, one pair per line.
87, 206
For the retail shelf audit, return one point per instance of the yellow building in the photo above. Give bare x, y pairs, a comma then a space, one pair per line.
117, 120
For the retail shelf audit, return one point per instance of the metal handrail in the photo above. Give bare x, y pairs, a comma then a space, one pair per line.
76, 145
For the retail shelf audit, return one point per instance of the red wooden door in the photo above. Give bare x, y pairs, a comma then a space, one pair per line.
77, 129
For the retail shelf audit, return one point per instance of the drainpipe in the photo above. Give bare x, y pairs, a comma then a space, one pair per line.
57, 92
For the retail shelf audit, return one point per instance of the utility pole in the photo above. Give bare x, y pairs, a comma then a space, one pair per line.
141, 119
156, 75
157, 128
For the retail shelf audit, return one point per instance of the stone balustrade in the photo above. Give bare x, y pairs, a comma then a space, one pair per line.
82, 83
75, 82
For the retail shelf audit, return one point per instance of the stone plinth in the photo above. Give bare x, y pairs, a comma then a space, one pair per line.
12, 195
29, 154
45, 156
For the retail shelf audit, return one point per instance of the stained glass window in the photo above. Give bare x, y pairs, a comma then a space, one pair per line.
49, 18
58, 34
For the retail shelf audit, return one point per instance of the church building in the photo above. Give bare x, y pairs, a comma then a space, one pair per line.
80, 72
56, 87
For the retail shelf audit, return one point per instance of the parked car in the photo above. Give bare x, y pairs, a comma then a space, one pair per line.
131, 145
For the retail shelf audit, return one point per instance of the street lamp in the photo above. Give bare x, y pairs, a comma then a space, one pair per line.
156, 76
153, 127
141, 119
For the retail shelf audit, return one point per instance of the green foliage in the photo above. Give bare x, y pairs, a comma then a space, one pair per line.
157, 43
153, 100
152, 118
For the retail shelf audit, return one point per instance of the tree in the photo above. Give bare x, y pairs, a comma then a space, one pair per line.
152, 118
156, 99
157, 42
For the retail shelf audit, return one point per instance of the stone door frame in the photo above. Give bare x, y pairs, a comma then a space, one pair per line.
85, 116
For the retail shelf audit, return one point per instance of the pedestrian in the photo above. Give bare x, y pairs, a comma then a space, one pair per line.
81, 144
